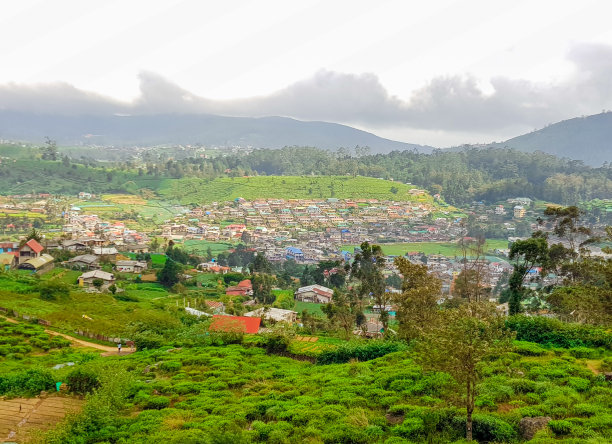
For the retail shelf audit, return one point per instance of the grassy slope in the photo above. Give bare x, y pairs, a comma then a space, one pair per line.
193, 190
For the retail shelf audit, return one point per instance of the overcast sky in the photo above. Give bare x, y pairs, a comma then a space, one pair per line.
430, 72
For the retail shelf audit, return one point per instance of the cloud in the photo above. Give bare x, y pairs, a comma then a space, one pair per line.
451, 103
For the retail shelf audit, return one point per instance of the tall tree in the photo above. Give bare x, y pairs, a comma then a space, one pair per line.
417, 304
526, 254
342, 311
170, 274
463, 338
367, 268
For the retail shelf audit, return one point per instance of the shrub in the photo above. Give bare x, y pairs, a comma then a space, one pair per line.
148, 341
578, 384
584, 353
362, 351
82, 381
26, 383
487, 428
554, 332
560, 427
52, 290
170, 366
606, 365
410, 428
529, 348
157, 403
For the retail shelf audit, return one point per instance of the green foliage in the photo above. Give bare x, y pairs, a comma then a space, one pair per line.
82, 381
361, 351
169, 275
560, 427
528, 348
53, 289
157, 403
26, 383
554, 332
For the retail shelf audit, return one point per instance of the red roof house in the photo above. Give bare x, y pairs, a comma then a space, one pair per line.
30, 250
235, 324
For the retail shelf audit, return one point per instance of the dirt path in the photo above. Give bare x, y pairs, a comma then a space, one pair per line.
20, 415
108, 350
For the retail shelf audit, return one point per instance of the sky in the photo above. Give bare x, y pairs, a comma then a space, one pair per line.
440, 73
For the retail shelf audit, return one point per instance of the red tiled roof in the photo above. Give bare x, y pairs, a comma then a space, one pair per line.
35, 246
245, 284
214, 304
235, 324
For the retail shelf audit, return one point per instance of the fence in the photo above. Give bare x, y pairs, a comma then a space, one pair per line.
85, 333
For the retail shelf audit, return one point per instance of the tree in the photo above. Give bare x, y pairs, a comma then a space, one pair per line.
417, 304
49, 151
367, 268
460, 341
262, 288
342, 311
154, 244
53, 289
169, 275
526, 254
261, 264
98, 283
469, 285
33, 234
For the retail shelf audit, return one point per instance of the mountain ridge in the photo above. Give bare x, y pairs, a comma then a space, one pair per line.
206, 129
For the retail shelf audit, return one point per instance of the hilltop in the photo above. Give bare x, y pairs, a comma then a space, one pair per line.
210, 130
195, 190
583, 138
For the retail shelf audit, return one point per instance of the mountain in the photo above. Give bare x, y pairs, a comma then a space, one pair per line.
583, 138
211, 130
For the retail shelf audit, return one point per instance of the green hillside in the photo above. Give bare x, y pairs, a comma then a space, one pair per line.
194, 190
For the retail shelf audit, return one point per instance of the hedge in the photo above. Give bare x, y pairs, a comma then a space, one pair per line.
557, 333
361, 351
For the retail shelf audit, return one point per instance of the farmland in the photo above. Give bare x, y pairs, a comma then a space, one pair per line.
198, 191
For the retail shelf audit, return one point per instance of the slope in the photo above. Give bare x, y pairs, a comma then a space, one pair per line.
584, 138
211, 130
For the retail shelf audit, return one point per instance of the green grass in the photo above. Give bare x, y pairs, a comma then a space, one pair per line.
198, 191
443, 248
201, 246
313, 309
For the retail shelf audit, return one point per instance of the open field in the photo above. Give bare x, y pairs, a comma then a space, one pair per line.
19, 416
201, 246
443, 248
312, 308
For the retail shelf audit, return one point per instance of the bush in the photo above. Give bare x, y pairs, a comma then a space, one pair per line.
554, 332
148, 341
487, 428
362, 351
157, 403
54, 289
27, 383
410, 428
584, 352
170, 366
529, 348
82, 381
560, 427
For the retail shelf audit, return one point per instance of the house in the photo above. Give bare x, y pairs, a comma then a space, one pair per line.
314, 293
244, 288
84, 261
74, 245
136, 248
274, 314
9, 247
372, 329
8, 261
235, 324
215, 306
30, 250
87, 279
39, 264
131, 266
106, 253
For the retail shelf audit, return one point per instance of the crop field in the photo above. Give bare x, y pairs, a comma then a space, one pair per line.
198, 191
309, 346
443, 248
201, 246
314, 309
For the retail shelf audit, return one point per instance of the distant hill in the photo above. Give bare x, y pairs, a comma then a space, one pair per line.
210, 130
583, 138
